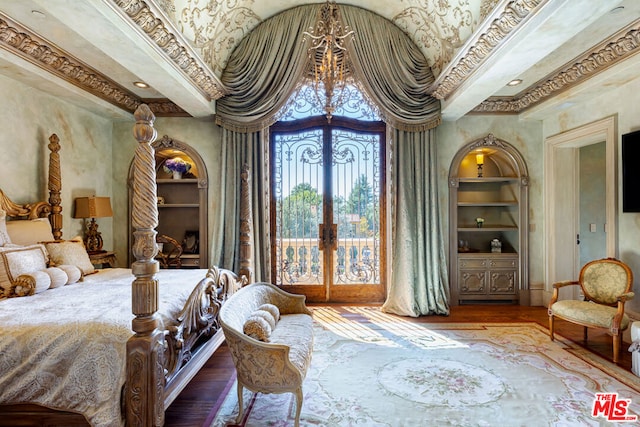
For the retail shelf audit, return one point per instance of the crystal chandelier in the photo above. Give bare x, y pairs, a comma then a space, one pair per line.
328, 56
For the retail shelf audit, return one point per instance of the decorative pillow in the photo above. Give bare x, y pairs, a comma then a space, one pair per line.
4, 236
73, 273
273, 309
57, 277
29, 232
39, 281
17, 261
266, 316
257, 328
70, 252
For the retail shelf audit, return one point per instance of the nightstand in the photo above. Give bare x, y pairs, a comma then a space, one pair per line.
103, 259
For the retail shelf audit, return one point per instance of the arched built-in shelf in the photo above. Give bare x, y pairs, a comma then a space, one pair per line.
488, 202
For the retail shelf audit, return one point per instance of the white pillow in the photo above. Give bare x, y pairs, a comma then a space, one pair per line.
41, 280
17, 261
271, 308
73, 273
257, 327
70, 252
57, 276
29, 232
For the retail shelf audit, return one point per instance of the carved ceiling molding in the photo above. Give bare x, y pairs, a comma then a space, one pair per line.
611, 51
25, 44
438, 28
151, 21
215, 28
477, 50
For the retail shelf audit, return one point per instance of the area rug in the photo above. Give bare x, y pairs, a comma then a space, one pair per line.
374, 369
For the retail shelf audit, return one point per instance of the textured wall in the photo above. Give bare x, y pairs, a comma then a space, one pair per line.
622, 103
28, 117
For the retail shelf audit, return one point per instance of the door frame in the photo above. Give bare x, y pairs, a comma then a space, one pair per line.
561, 165
348, 124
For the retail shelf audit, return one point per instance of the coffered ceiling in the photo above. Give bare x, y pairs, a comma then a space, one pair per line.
91, 52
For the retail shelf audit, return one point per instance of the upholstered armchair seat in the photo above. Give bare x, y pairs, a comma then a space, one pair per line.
606, 286
589, 313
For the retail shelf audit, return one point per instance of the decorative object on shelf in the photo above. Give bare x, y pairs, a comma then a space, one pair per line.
463, 246
329, 57
479, 222
480, 163
496, 246
160, 200
190, 242
93, 207
170, 258
177, 166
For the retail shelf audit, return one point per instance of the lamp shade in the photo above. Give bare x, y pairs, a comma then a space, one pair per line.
480, 159
93, 207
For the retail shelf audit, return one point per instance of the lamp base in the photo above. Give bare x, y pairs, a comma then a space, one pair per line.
93, 238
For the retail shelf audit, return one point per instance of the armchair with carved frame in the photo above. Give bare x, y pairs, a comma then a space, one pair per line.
606, 285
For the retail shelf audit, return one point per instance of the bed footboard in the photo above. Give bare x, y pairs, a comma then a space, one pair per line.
198, 321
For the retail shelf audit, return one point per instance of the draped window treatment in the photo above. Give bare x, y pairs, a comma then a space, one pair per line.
263, 72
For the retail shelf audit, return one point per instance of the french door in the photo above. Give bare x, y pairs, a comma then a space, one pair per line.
328, 209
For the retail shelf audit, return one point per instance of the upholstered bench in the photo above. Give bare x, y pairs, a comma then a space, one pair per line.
270, 336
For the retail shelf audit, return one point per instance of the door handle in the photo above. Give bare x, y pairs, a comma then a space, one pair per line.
321, 237
333, 237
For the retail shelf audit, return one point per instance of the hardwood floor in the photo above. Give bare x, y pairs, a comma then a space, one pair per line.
194, 404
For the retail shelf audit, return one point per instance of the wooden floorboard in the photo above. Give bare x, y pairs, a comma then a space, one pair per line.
193, 405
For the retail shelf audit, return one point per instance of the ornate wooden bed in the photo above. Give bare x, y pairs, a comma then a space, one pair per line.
159, 361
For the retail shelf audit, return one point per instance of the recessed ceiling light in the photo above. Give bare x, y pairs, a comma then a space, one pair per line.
142, 85
515, 82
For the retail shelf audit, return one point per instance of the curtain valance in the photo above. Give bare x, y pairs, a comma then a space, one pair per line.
265, 68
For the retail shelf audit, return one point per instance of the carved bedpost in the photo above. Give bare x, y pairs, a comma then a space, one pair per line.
246, 228
55, 186
145, 350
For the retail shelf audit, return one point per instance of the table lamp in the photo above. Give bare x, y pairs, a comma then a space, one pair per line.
479, 162
93, 207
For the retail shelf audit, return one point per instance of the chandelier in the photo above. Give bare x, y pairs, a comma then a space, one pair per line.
329, 57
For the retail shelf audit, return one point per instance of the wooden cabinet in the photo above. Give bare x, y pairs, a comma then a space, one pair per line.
485, 277
488, 203
182, 202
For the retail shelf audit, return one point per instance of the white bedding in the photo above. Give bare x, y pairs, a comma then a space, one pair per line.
65, 348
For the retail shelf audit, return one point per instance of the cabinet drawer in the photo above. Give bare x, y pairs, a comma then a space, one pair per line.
472, 263
503, 263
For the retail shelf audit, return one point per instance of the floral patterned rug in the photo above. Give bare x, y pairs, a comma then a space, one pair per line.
383, 370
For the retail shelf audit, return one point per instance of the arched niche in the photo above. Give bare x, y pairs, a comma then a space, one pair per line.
489, 223
182, 203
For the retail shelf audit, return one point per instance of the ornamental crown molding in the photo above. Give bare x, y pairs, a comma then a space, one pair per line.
476, 50
153, 22
25, 44
611, 51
